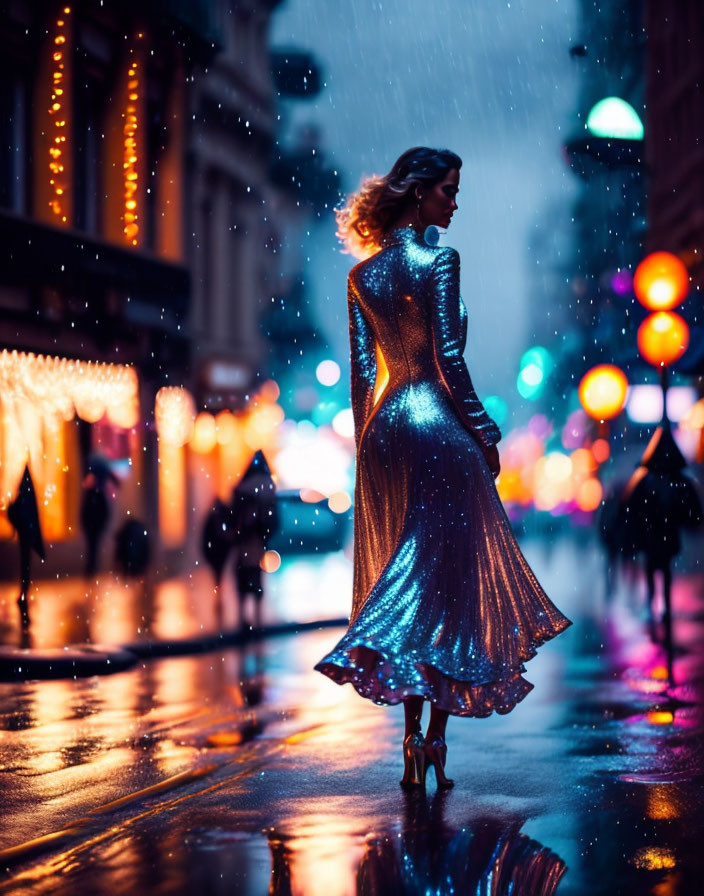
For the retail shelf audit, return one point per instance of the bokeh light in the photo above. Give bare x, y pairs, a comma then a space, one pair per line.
535, 366
226, 427
575, 429
174, 413
496, 408
583, 462
328, 372
343, 423
310, 495
589, 494
663, 338
661, 281
602, 391
693, 419
271, 561
622, 282
644, 404
204, 437
601, 451
312, 457
339, 502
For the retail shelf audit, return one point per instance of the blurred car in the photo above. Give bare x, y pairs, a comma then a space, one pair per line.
306, 527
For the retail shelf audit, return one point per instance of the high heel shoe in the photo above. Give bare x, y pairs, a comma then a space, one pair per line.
413, 761
436, 755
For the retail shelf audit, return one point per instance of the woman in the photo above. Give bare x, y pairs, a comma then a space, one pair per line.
445, 607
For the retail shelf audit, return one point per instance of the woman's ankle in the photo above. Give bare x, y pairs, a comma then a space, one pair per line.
434, 734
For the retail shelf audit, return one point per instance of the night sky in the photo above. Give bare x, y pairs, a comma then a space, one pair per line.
492, 81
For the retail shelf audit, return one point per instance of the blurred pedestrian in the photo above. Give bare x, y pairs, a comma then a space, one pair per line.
96, 508
612, 533
254, 521
660, 501
24, 517
217, 538
132, 548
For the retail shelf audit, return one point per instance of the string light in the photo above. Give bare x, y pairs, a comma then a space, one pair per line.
57, 113
131, 176
62, 387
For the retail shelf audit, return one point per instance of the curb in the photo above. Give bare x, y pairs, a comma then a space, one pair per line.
86, 660
227, 638
78, 661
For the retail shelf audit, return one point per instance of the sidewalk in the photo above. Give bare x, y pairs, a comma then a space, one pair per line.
82, 628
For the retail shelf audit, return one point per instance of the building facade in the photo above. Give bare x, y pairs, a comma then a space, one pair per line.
593, 316
675, 131
143, 222
95, 294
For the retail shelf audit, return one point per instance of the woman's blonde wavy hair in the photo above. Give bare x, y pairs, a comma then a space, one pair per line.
370, 212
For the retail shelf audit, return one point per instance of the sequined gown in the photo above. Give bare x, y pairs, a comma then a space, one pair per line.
444, 603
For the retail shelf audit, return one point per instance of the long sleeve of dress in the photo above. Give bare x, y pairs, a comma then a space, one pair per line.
448, 342
362, 362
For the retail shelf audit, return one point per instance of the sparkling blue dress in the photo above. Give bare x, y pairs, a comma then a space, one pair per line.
444, 603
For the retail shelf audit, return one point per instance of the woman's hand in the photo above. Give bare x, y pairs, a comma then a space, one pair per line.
491, 455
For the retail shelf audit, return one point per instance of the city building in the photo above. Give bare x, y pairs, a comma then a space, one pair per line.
149, 224
95, 288
594, 315
675, 132
252, 195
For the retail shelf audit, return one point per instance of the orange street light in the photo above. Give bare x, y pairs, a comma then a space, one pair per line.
661, 281
663, 338
602, 391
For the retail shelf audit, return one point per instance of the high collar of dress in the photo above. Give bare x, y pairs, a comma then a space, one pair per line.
401, 235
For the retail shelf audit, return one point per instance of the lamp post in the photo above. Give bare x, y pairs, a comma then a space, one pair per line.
659, 500
661, 283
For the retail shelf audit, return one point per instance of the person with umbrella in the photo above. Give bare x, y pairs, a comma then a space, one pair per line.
660, 501
217, 538
24, 517
254, 521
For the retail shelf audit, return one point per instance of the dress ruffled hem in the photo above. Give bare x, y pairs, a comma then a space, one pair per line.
378, 678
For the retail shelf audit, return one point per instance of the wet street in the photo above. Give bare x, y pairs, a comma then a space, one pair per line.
244, 771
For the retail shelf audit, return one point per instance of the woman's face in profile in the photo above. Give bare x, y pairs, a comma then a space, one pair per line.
439, 201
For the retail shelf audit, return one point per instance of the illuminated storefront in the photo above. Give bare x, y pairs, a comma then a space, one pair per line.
41, 399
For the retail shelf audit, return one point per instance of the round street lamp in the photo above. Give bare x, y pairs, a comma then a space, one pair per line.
612, 137
663, 338
661, 282
602, 391
614, 117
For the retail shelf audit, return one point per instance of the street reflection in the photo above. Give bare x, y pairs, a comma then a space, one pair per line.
112, 610
77, 745
422, 854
